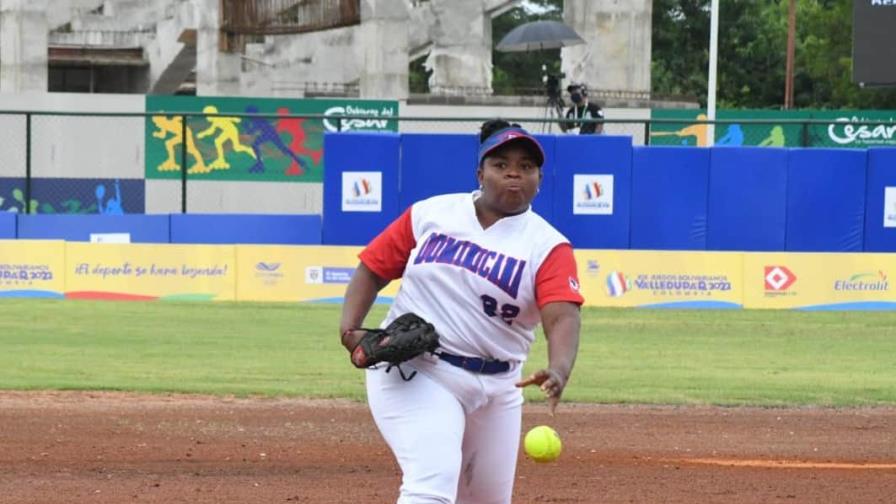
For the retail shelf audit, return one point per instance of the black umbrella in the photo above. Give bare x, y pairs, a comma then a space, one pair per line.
539, 35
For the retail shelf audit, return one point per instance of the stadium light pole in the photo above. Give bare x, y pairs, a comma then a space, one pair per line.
711, 81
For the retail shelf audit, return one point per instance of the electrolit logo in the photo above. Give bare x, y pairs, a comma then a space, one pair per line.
874, 281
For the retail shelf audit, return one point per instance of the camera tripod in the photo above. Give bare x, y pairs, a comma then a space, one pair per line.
553, 112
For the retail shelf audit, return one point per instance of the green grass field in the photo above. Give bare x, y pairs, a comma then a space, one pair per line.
770, 358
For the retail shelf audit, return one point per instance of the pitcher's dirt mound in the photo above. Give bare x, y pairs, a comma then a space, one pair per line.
112, 448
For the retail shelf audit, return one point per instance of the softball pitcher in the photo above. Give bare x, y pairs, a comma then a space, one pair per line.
485, 271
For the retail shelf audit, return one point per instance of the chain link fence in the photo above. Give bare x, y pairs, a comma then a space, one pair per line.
178, 162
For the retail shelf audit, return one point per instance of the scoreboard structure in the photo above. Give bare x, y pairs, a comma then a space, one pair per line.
873, 50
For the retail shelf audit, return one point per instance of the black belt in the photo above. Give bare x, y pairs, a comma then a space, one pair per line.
475, 364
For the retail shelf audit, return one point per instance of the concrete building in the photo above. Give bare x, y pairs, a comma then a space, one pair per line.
301, 47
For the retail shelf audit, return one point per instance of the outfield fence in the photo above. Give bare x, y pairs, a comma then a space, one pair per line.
112, 163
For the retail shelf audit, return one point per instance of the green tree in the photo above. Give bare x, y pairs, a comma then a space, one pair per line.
752, 53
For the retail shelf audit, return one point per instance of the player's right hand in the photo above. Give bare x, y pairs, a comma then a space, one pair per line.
550, 382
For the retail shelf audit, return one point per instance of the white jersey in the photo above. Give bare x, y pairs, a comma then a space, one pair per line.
477, 286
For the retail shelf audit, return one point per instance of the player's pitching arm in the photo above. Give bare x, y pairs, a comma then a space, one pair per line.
561, 322
359, 297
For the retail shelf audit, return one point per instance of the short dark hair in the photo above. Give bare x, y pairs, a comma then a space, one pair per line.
489, 127
580, 87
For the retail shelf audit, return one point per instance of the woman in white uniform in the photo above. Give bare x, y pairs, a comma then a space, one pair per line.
485, 270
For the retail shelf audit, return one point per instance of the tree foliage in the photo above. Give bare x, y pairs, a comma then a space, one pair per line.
752, 54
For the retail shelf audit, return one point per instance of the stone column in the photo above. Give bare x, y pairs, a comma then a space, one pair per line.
384, 35
217, 72
616, 53
23, 46
461, 55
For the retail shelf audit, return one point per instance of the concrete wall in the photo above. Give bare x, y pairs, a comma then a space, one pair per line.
287, 63
616, 55
23, 46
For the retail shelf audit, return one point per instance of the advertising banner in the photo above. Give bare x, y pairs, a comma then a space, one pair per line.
766, 128
843, 132
768, 133
632, 278
150, 272
32, 269
270, 149
311, 274
819, 281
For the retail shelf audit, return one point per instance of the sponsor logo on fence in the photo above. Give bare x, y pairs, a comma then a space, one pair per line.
890, 207
778, 279
870, 281
844, 132
328, 275
268, 272
593, 194
362, 191
378, 119
617, 284
593, 267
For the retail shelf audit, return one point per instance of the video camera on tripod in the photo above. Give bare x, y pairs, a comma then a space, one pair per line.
554, 105
552, 85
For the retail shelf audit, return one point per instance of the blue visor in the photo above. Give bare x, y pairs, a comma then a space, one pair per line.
513, 134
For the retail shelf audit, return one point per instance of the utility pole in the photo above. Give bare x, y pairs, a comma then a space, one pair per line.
713, 66
788, 72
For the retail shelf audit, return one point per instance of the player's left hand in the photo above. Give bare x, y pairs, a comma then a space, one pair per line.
550, 382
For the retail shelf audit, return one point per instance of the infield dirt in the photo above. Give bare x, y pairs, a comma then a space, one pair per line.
81, 447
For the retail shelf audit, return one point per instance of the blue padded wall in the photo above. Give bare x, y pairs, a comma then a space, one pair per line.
747, 199
78, 227
591, 156
7, 226
359, 152
826, 200
436, 164
881, 175
670, 188
229, 228
543, 204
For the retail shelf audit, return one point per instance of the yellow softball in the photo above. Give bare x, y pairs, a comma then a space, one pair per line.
542, 444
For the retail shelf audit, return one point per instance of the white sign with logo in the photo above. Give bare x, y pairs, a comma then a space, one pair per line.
592, 194
362, 191
376, 119
890, 207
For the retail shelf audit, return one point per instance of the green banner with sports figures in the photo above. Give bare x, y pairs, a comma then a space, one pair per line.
282, 148
766, 128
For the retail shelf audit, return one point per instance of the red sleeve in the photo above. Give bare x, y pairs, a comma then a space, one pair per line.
556, 279
388, 253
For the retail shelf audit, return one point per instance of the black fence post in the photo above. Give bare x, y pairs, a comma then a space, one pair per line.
804, 135
27, 208
339, 124
183, 163
647, 132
